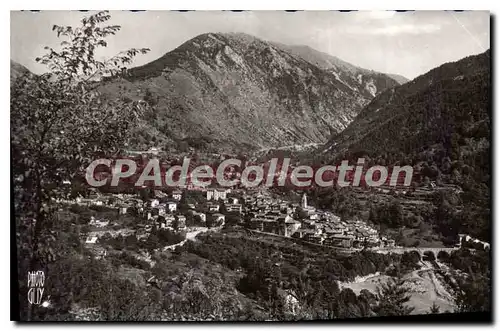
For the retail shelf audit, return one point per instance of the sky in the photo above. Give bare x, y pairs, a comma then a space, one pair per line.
405, 43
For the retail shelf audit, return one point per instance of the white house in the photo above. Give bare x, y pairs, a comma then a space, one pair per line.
233, 201
463, 237
314, 216
213, 206
177, 195
171, 206
216, 194
91, 240
98, 223
234, 208
102, 224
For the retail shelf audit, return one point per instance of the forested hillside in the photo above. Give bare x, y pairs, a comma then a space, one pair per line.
440, 124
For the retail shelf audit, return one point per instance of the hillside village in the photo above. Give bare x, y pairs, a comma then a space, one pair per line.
117, 249
190, 209
187, 209
257, 210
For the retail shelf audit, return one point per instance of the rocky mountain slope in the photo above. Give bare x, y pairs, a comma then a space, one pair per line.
398, 78
234, 91
440, 124
368, 82
17, 70
449, 102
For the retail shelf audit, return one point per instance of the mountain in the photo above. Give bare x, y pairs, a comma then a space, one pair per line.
398, 78
17, 70
440, 124
369, 82
232, 91
450, 100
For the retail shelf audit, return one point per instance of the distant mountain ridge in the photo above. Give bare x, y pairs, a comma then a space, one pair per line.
372, 81
235, 91
17, 70
398, 78
440, 124
419, 112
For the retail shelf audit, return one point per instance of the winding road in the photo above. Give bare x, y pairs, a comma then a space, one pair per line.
189, 236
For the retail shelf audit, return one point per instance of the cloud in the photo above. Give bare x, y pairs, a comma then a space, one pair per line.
395, 29
392, 30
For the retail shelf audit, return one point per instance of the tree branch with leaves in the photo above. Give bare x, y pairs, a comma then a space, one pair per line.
60, 122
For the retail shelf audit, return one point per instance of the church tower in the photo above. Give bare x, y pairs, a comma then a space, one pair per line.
304, 201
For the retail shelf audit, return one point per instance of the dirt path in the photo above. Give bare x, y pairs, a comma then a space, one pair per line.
189, 236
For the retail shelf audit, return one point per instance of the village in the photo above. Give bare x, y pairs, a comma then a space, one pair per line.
303, 221
193, 210
188, 210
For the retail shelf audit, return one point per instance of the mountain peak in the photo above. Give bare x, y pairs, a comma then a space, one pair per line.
414, 114
237, 90
16, 70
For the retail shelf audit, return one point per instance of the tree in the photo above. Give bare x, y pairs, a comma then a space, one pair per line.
183, 203
443, 256
474, 294
149, 98
434, 309
396, 214
175, 224
60, 122
222, 208
391, 298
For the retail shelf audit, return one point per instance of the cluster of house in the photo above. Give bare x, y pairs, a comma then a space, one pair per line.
306, 222
263, 212
120, 201
163, 211
267, 214
331, 231
465, 238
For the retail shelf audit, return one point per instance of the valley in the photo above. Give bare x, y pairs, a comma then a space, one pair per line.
92, 143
